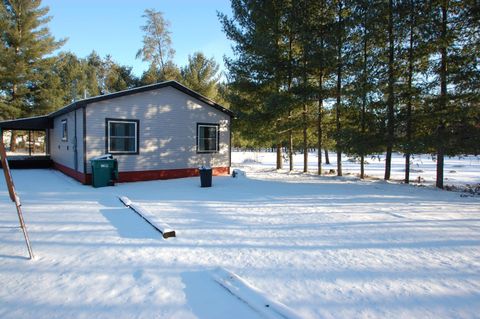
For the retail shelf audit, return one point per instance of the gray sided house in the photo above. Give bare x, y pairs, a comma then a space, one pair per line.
159, 131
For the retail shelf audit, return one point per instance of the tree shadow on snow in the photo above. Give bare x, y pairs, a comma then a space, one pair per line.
207, 299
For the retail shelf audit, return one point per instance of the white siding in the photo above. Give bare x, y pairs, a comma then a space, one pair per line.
63, 152
167, 130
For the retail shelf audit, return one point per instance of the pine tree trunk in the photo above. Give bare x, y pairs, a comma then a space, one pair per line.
338, 92
327, 159
339, 163
364, 95
279, 156
319, 126
362, 166
13, 141
290, 150
305, 114
443, 96
305, 139
409, 96
391, 100
407, 168
289, 85
440, 160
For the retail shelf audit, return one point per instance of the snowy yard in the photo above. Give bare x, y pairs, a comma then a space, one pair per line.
326, 247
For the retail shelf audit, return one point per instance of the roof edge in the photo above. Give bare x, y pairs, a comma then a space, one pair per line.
78, 104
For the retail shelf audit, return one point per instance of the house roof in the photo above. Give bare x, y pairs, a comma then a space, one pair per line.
174, 84
46, 121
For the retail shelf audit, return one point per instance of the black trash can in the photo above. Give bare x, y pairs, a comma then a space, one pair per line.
205, 176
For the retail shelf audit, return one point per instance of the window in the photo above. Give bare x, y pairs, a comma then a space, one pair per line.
207, 138
122, 136
64, 130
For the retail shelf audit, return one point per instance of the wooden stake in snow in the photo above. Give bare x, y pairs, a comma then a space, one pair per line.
13, 195
150, 218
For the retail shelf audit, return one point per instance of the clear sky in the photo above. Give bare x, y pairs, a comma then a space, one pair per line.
113, 27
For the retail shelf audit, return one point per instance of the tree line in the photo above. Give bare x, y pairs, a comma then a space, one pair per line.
360, 77
35, 80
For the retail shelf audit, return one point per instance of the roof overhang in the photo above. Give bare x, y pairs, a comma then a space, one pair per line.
30, 123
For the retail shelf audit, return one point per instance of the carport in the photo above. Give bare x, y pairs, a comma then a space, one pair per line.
27, 142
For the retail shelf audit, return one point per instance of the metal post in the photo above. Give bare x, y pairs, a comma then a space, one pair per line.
29, 142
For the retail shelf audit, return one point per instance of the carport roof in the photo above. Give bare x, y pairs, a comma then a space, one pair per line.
29, 123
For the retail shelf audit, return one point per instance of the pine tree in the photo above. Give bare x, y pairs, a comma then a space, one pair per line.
259, 76
201, 74
390, 138
415, 36
117, 77
304, 26
26, 41
153, 75
456, 70
338, 90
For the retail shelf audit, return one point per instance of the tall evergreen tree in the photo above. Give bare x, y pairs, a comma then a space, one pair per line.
26, 41
390, 136
153, 75
117, 77
259, 74
457, 34
201, 74
415, 37
340, 33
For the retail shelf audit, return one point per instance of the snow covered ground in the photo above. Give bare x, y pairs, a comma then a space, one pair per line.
326, 247
458, 170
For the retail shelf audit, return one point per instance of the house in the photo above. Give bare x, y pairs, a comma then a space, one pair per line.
159, 131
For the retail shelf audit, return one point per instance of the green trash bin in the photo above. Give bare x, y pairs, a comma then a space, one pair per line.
104, 171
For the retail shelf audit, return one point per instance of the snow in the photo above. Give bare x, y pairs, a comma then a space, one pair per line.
325, 247
458, 170
251, 296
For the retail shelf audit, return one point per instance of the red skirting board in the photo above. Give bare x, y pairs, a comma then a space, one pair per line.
138, 176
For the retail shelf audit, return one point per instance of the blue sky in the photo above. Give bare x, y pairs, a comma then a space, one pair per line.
113, 27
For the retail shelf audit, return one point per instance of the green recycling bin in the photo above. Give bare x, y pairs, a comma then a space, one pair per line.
104, 172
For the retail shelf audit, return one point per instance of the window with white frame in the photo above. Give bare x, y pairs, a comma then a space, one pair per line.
207, 138
122, 136
64, 130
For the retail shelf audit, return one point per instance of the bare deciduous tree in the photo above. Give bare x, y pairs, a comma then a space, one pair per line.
156, 40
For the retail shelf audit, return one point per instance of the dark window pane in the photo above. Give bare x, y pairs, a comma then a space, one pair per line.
129, 144
208, 144
207, 138
211, 132
122, 129
64, 130
121, 144
129, 129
